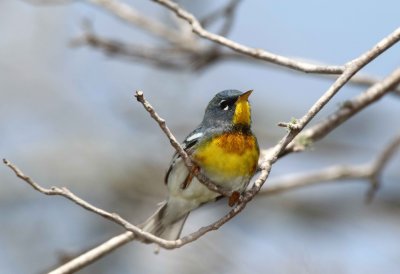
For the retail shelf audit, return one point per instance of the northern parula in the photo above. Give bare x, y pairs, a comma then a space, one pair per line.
223, 147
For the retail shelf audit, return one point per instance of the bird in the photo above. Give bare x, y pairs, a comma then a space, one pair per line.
225, 150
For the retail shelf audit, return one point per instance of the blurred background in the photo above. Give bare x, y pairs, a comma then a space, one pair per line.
68, 118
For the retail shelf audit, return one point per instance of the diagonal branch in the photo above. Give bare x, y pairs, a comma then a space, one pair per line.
348, 110
154, 56
351, 68
369, 172
253, 52
194, 56
131, 15
365, 80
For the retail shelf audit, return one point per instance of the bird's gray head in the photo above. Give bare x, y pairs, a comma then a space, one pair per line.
228, 108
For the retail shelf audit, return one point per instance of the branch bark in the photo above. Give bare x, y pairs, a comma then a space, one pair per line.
131, 15
370, 172
252, 52
348, 110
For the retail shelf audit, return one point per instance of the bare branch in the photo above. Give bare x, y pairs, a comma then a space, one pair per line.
369, 172
194, 56
351, 68
155, 56
179, 59
61, 191
225, 11
94, 254
131, 15
253, 52
365, 80
378, 166
349, 109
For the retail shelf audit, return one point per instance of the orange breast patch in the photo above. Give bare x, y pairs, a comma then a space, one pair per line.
228, 155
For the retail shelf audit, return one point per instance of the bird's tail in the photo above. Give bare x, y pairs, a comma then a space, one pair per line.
161, 225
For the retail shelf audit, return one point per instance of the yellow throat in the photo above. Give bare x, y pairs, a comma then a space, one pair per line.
242, 110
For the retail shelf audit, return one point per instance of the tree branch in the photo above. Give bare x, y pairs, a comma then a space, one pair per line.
194, 56
154, 56
365, 80
178, 59
348, 109
351, 68
253, 52
370, 172
131, 15
226, 11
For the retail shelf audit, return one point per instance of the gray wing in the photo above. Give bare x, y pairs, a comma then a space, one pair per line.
188, 145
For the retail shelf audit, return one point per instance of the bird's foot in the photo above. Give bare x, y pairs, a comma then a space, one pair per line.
234, 198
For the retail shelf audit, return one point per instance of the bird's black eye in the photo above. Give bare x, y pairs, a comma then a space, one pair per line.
226, 104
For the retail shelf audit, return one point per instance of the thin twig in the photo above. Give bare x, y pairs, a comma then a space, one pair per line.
220, 13
183, 60
202, 56
369, 172
365, 80
351, 68
348, 109
378, 166
155, 56
131, 15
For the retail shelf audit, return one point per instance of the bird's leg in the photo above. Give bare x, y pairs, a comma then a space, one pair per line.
193, 171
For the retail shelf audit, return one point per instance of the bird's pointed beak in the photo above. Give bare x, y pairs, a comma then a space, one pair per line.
245, 95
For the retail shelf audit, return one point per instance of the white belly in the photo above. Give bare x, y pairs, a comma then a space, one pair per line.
196, 193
